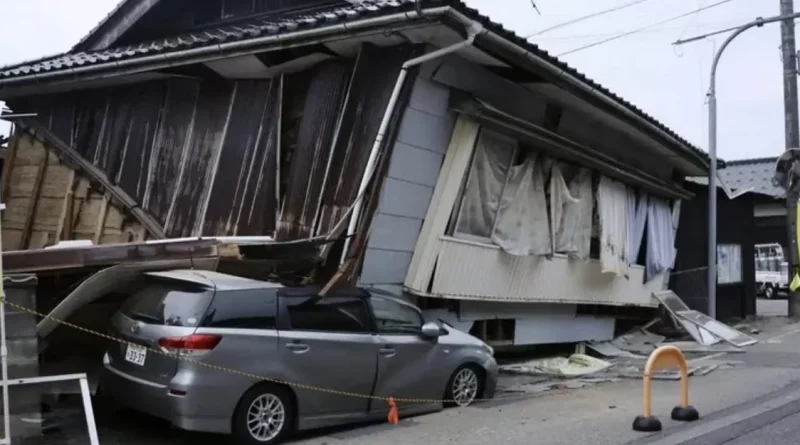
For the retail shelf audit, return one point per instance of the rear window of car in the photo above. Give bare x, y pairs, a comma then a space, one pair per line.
168, 303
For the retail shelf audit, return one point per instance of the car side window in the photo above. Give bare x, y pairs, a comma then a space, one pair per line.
394, 317
243, 309
328, 314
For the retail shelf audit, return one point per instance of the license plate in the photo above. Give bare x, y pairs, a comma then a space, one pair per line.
136, 354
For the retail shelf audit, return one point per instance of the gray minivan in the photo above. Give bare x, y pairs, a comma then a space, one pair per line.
216, 332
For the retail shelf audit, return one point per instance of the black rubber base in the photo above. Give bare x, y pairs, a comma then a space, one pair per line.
685, 413
647, 424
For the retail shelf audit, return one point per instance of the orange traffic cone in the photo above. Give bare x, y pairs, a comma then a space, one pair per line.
393, 417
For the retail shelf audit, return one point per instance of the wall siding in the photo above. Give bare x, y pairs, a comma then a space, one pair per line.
416, 160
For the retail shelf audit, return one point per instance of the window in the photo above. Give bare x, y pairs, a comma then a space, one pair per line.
331, 314
170, 303
392, 316
244, 309
729, 264
480, 201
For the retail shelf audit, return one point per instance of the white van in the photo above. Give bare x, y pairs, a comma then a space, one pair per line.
772, 271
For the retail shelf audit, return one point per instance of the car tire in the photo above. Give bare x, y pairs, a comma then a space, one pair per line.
272, 405
769, 292
464, 386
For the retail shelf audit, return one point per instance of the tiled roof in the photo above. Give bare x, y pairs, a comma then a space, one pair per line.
755, 173
748, 176
291, 22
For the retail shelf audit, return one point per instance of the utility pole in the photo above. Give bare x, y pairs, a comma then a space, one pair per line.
792, 135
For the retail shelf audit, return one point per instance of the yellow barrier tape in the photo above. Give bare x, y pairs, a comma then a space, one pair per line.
257, 377
262, 378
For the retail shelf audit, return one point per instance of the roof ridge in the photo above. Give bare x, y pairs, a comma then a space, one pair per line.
747, 161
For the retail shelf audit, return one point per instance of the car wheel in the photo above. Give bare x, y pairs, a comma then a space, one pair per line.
265, 415
769, 292
464, 386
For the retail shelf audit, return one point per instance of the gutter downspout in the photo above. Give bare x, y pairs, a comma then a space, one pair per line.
473, 30
579, 84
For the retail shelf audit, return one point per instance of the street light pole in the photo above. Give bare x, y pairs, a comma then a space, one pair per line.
712, 153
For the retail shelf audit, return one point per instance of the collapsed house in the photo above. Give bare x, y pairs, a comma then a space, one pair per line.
437, 155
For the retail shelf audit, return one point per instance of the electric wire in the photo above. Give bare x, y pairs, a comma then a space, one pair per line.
587, 17
643, 28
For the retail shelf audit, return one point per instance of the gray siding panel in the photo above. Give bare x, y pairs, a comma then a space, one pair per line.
385, 266
415, 165
422, 140
424, 130
403, 198
392, 232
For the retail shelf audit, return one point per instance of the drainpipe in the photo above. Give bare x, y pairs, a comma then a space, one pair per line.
473, 30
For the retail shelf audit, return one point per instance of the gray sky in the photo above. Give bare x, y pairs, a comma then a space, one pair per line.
668, 83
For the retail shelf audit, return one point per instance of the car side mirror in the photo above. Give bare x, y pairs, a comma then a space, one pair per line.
431, 330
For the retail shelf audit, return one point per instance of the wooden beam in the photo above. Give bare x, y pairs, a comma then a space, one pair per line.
65, 219
65, 151
8, 166
101, 221
30, 214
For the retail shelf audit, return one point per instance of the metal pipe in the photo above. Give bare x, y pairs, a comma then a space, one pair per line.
4, 348
230, 49
712, 153
473, 30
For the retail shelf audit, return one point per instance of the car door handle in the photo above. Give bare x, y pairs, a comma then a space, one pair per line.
298, 348
388, 352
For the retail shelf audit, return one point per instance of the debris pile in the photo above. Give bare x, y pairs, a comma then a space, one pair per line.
701, 338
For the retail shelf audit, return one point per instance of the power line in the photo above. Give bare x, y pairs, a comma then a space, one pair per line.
652, 25
655, 30
587, 17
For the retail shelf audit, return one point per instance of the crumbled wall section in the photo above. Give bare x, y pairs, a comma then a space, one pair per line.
48, 201
417, 157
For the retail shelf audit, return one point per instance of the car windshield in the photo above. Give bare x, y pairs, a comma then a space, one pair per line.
170, 304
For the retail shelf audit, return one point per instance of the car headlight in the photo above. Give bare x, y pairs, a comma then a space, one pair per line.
488, 349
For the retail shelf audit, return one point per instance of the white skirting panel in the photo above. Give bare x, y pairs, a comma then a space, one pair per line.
476, 271
551, 328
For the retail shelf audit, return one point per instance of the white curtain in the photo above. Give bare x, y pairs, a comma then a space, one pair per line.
485, 184
571, 208
637, 217
660, 238
522, 226
612, 209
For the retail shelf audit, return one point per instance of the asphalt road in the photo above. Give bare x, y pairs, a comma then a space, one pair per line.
783, 432
754, 398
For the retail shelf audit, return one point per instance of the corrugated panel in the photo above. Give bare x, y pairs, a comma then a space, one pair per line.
366, 104
476, 271
247, 164
314, 142
214, 105
170, 147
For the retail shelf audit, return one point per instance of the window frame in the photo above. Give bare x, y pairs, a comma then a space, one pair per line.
376, 325
452, 229
297, 296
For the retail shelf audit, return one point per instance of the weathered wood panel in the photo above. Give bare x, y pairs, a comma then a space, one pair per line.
207, 156
244, 186
315, 138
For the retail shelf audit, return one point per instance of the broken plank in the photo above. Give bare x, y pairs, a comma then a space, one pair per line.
34, 201
101, 221
65, 219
